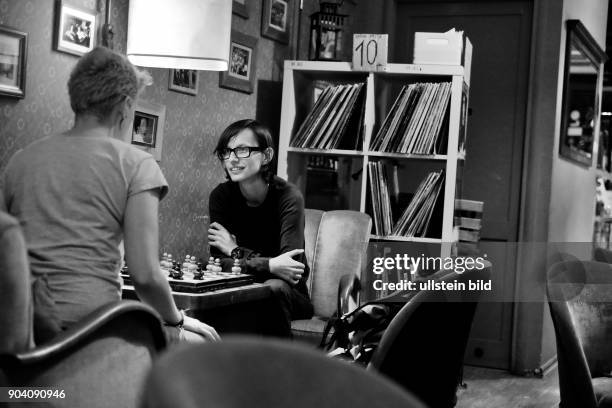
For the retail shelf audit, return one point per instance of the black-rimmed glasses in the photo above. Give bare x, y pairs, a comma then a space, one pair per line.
241, 152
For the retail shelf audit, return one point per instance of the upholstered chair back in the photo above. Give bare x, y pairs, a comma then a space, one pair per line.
437, 323
336, 244
264, 373
15, 293
580, 300
100, 362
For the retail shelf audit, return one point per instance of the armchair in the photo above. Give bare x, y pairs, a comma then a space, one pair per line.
15, 326
101, 362
423, 347
335, 247
256, 373
580, 301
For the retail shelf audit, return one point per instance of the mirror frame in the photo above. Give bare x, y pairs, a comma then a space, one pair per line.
577, 31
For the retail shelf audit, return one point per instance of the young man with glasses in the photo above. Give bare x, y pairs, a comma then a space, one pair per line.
258, 218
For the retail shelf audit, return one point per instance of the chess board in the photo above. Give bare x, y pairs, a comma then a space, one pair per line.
208, 283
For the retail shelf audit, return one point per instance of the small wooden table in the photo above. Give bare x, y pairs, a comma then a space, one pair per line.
241, 309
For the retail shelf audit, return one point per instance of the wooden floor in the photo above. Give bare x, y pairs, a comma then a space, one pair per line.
487, 388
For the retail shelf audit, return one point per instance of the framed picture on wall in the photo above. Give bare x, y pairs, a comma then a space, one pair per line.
276, 20
148, 127
239, 7
240, 75
183, 80
13, 59
75, 29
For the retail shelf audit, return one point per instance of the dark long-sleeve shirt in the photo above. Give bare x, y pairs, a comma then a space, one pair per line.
263, 232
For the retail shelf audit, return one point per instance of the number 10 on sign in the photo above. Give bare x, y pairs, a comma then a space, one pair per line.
370, 52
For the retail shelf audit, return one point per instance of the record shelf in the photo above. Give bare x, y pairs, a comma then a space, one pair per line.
389, 139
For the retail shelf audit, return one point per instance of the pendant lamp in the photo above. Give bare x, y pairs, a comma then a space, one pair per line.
182, 34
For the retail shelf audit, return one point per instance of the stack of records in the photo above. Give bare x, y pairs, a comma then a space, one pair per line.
414, 123
331, 117
381, 203
415, 219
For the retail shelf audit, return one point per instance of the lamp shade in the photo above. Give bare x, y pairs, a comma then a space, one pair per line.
187, 34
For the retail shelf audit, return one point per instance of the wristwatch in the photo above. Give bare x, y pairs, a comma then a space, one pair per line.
237, 253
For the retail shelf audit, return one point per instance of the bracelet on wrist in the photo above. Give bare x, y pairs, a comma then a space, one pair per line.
179, 324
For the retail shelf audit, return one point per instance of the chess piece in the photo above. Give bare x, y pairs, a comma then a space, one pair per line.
210, 265
176, 270
169, 265
236, 269
185, 267
193, 268
163, 264
217, 265
199, 273
177, 273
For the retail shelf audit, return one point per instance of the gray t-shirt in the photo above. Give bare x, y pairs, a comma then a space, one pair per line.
69, 194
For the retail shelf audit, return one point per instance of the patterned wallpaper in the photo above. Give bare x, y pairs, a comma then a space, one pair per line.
192, 126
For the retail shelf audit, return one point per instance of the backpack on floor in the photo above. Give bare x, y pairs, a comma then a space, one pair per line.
356, 335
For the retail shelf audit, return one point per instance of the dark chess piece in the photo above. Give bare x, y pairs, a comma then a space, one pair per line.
177, 273
171, 265
198, 274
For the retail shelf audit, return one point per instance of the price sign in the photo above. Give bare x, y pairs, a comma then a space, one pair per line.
370, 52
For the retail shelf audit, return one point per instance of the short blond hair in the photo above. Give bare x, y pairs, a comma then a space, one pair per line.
101, 79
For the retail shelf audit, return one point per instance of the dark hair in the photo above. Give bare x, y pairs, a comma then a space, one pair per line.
262, 135
101, 79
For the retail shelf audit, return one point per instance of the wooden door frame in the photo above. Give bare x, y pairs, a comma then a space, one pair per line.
538, 155
536, 176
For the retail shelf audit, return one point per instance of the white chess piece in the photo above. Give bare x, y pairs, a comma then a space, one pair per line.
193, 267
185, 268
236, 269
218, 267
210, 265
163, 264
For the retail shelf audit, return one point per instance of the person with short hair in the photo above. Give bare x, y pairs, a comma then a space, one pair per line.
258, 218
79, 193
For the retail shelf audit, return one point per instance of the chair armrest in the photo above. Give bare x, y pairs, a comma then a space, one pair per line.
85, 329
348, 288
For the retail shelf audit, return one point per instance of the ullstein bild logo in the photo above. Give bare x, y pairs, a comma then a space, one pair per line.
432, 285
